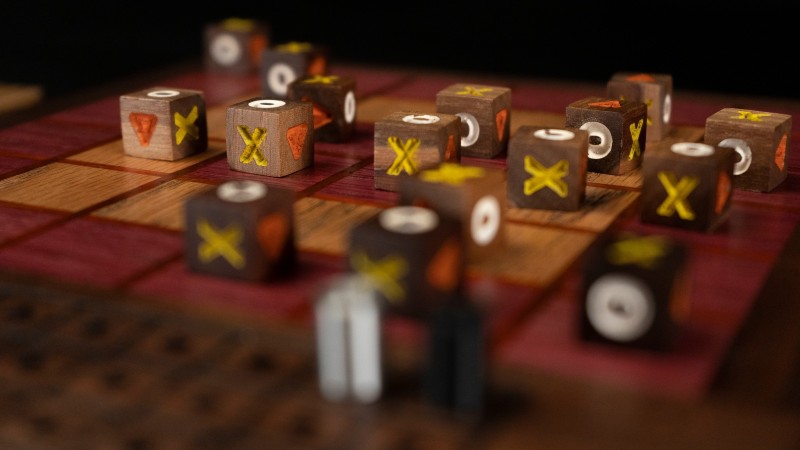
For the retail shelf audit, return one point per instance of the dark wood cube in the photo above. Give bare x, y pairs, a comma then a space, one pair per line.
163, 123
617, 132
413, 256
235, 45
761, 140
474, 196
652, 89
547, 168
270, 137
284, 63
242, 230
407, 142
334, 101
486, 115
687, 185
635, 291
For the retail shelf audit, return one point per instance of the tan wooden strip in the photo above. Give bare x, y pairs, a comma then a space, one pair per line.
162, 206
631, 180
376, 108
113, 155
69, 187
600, 208
19, 96
535, 118
534, 255
324, 226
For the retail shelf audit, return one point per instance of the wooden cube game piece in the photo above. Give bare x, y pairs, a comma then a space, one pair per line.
547, 168
407, 142
761, 140
617, 132
284, 63
270, 137
349, 343
413, 256
635, 292
687, 185
486, 115
472, 195
235, 45
163, 123
242, 230
334, 101
652, 89
455, 374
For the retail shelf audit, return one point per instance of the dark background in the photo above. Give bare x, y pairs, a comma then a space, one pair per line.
730, 50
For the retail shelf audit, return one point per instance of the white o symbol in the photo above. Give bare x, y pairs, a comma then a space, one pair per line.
420, 119
485, 221
408, 219
666, 111
744, 152
552, 134
600, 134
225, 50
279, 77
620, 307
241, 191
473, 129
266, 103
166, 93
695, 149
349, 107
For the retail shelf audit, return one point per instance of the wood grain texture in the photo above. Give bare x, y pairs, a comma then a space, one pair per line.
324, 226
112, 156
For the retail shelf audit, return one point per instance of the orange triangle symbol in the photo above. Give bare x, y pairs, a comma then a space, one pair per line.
645, 77
607, 104
296, 136
780, 153
723, 191
144, 125
272, 234
450, 151
318, 66
500, 120
321, 116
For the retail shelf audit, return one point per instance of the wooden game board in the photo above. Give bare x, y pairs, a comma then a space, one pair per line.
101, 313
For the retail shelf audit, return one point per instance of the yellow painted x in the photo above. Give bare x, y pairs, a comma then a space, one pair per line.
384, 274
451, 173
677, 191
751, 116
186, 125
252, 149
322, 79
642, 251
546, 176
406, 152
223, 243
477, 92
636, 130
294, 47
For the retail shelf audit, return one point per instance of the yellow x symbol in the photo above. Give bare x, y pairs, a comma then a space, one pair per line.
636, 130
642, 251
252, 149
649, 104
451, 173
751, 116
223, 243
186, 125
546, 176
677, 191
322, 79
294, 47
405, 155
477, 92
385, 274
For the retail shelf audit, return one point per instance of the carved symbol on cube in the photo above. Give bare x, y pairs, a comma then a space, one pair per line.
550, 177
473, 129
453, 174
224, 243
186, 125
296, 136
677, 192
607, 104
321, 79
143, 124
252, 150
384, 274
477, 92
405, 159
500, 121
780, 153
644, 251
620, 307
751, 116
600, 139
723, 192
636, 130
